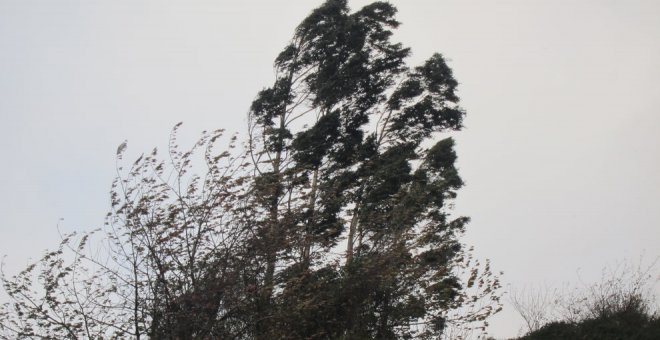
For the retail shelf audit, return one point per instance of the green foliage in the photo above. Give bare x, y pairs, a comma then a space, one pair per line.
356, 172
633, 324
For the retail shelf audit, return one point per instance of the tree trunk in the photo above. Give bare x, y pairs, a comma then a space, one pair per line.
307, 245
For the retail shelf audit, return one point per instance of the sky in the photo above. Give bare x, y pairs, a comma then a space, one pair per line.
560, 151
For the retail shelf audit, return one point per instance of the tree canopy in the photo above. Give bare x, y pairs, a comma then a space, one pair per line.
331, 221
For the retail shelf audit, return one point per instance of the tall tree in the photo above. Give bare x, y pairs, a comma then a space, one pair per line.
340, 144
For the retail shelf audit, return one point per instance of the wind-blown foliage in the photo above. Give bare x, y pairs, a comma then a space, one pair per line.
164, 265
622, 305
334, 223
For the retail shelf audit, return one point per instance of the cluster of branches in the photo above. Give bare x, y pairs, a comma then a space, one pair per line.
169, 247
333, 222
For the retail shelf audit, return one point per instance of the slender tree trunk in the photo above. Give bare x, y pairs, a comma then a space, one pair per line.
136, 304
307, 246
271, 233
272, 243
272, 239
351, 234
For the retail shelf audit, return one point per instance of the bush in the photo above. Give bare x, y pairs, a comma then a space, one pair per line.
620, 325
620, 306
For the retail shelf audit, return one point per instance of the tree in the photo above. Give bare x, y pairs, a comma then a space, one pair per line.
360, 171
166, 265
333, 223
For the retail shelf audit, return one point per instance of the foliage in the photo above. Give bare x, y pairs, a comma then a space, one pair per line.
333, 223
164, 265
620, 306
633, 323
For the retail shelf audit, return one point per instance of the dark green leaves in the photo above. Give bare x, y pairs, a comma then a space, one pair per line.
311, 145
425, 102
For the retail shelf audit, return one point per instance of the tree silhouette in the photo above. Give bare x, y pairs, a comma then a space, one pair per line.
333, 223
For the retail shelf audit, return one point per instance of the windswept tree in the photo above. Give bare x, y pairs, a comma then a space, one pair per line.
166, 264
332, 223
342, 144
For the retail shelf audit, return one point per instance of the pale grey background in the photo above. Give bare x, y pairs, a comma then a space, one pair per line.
560, 151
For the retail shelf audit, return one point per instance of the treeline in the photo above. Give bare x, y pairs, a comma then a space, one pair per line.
331, 221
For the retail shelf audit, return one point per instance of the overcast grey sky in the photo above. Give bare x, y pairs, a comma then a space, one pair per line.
560, 151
